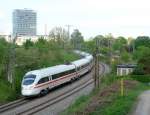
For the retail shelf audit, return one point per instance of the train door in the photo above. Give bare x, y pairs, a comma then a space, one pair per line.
50, 83
76, 73
76, 70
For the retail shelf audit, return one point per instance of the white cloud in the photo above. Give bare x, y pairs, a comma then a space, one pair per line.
91, 16
1, 14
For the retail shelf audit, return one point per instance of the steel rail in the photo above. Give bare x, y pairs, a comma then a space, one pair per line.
64, 95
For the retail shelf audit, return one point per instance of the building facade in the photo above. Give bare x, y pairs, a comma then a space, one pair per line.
24, 22
125, 69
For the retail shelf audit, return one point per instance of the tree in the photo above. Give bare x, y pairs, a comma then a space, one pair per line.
4, 49
125, 57
42, 45
142, 41
60, 35
88, 46
77, 39
142, 55
28, 43
102, 41
144, 62
141, 52
119, 43
131, 45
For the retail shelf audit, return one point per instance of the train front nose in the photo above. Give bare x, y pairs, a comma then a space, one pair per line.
29, 91
26, 90
28, 85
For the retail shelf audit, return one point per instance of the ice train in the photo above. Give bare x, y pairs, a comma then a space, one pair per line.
39, 82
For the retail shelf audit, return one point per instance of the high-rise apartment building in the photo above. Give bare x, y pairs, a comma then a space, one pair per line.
24, 22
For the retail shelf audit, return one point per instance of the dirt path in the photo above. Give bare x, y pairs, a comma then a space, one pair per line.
143, 105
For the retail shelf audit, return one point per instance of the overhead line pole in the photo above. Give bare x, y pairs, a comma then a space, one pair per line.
11, 65
96, 68
110, 52
68, 26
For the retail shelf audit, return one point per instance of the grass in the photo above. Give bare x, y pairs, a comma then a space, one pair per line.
121, 105
118, 105
141, 78
83, 100
6, 92
50, 58
79, 104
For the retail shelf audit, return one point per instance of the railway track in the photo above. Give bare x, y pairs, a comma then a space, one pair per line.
13, 104
61, 97
50, 102
36, 108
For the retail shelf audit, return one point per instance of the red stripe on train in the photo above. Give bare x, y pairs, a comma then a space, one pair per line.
51, 81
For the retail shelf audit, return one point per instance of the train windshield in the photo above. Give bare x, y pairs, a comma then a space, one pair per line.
29, 79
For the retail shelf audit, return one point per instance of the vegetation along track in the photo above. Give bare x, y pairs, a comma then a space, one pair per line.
39, 107
13, 104
50, 102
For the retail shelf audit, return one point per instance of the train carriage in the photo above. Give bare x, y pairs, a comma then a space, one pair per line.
40, 81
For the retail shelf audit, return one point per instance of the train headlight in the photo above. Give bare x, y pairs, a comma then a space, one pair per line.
31, 87
27, 88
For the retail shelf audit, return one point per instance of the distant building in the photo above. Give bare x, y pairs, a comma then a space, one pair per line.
24, 22
125, 69
6, 37
21, 39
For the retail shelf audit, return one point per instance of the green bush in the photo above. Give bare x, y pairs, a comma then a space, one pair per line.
121, 105
138, 71
6, 92
109, 79
117, 105
28, 60
141, 78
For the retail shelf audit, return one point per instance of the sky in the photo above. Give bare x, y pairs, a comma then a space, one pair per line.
129, 18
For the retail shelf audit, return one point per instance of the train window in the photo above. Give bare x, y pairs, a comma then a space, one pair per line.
50, 77
55, 76
58, 75
82, 66
43, 80
30, 76
62, 74
73, 70
78, 68
28, 81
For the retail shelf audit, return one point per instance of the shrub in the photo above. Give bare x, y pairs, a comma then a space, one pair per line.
141, 78
138, 71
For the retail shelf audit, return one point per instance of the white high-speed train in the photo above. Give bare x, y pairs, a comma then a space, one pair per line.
38, 82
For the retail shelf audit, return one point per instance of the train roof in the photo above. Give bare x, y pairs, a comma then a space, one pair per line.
80, 62
90, 57
61, 68
81, 53
51, 70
